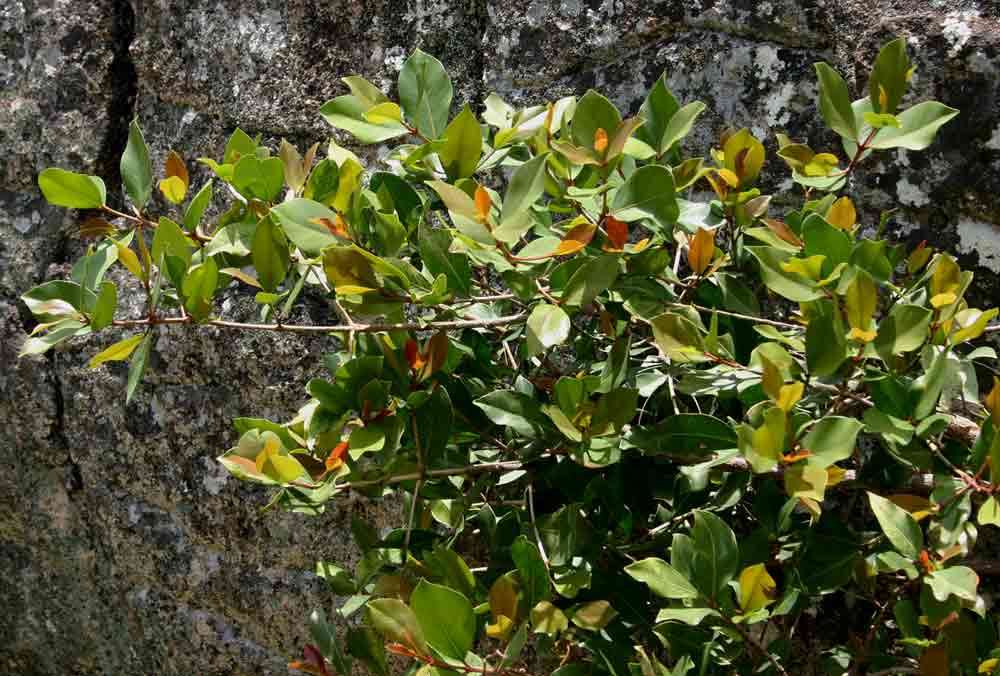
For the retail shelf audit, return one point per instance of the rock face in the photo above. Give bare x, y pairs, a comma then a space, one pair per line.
123, 546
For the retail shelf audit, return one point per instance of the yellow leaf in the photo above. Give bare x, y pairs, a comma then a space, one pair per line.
883, 98
600, 140
810, 267
806, 481
120, 351
757, 588
769, 439
771, 379
789, 395
173, 189
862, 336
242, 276
500, 628
946, 280
972, 323
861, 299
918, 257
729, 177
701, 250
992, 402
348, 182
384, 113
821, 164
130, 260
834, 475
988, 666
503, 597
842, 214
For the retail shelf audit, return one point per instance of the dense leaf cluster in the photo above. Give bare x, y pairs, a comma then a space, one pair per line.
635, 433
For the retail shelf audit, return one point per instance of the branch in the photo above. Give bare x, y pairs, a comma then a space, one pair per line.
309, 328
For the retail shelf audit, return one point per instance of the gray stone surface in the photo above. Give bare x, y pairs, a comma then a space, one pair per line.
123, 548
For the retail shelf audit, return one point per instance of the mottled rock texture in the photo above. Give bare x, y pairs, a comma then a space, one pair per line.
123, 547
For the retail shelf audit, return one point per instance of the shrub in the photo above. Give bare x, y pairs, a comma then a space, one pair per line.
630, 429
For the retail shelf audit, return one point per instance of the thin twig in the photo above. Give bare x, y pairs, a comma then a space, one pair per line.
302, 328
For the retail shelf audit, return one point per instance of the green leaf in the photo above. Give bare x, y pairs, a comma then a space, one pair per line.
917, 127
63, 188
831, 440
657, 110
196, 209
137, 366
531, 568
104, 308
455, 199
297, 219
790, 285
425, 93
899, 527
662, 578
259, 179
548, 326
270, 255
170, 240
826, 346
325, 636
716, 554
136, 169
989, 513
959, 581
446, 618
526, 186
593, 277
199, 287
120, 351
593, 112
680, 124
547, 618
239, 145
463, 146
691, 616
648, 193
903, 330
835, 102
512, 409
348, 113
889, 77
340, 580
434, 247
396, 622
685, 435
